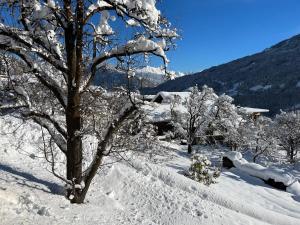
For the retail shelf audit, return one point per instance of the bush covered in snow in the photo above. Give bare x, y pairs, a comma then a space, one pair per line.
202, 171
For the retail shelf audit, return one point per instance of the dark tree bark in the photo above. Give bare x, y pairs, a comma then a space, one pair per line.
74, 45
190, 148
255, 157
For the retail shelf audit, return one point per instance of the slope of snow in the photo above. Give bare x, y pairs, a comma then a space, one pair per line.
147, 193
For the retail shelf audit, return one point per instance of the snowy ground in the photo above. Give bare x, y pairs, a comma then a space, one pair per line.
149, 193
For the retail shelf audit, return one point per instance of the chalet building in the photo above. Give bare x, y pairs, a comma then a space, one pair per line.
254, 113
165, 97
159, 113
148, 98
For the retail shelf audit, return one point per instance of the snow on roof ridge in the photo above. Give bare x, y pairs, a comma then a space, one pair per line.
253, 110
166, 94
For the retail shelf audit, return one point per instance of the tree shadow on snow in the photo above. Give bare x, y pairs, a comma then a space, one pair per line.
296, 198
53, 188
241, 176
177, 166
232, 176
184, 154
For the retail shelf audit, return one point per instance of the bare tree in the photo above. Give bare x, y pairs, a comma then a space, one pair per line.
287, 130
195, 115
62, 44
224, 118
239, 136
264, 141
205, 115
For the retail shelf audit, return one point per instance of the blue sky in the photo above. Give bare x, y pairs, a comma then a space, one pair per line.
218, 31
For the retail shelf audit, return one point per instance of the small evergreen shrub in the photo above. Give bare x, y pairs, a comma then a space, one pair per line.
202, 171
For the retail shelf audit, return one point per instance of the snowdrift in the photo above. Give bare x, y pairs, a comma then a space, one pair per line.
270, 175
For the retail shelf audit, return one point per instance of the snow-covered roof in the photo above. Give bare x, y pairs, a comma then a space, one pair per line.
157, 112
168, 96
149, 96
254, 110
160, 112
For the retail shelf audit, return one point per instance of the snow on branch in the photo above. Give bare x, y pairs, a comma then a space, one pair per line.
25, 40
144, 11
104, 28
140, 45
136, 13
99, 6
41, 75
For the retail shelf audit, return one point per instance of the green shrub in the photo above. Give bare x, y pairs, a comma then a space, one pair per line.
202, 171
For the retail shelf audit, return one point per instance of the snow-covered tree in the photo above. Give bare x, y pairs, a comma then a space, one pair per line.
263, 140
205, 114
61, 45
287, 130
193, 116
225, 118
255, 135
239, 136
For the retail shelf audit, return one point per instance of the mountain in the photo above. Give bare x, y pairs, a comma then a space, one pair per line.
109, 77
269, 79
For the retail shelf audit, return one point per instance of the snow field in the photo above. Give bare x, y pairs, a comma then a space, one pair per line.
147, 194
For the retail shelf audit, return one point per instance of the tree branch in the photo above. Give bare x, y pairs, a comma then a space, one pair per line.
16, 35
45, 80
102, 146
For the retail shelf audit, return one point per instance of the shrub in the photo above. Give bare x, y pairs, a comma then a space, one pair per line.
202, 171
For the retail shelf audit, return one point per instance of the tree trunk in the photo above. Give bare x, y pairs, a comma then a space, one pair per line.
190, 148
74, 146
74, 44
255, 157
256, 152
292, 155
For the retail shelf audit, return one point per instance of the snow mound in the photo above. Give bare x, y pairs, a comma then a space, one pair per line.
294, 188
264, 173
